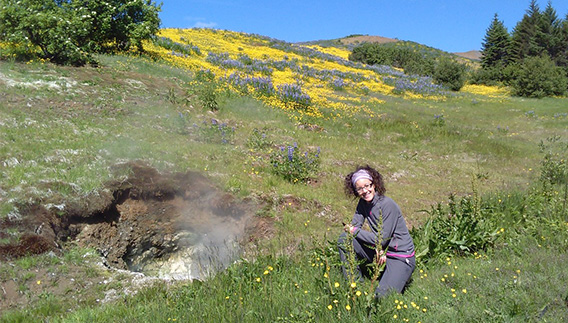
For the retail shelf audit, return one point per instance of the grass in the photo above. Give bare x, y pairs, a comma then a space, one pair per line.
508, 283
61, 144
468, 142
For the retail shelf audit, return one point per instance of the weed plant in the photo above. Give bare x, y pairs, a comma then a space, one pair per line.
293, 165
258, 140
215, 132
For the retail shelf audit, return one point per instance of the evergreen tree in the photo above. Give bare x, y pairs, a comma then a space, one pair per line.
538, 77
524, 40
548, 36
496, 44
562, 58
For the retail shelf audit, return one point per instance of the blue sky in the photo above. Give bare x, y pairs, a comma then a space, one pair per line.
450, 25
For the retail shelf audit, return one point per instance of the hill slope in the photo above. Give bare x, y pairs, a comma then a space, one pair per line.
219, 108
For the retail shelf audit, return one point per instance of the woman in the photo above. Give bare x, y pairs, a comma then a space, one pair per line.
367, 184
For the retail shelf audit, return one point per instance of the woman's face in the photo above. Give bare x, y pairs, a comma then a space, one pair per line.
365, 189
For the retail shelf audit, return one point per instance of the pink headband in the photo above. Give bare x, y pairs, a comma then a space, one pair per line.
360, 174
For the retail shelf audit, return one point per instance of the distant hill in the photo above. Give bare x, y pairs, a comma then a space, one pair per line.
354, 40
358, 39
472, 54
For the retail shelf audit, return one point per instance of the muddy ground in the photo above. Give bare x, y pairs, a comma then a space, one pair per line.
144, 224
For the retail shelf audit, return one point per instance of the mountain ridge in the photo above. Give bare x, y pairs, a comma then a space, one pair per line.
353, 40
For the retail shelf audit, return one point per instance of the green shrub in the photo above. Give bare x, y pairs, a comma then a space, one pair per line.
423, 67
411, 61
204, 90
539, 77
68, 32
496, 75
258, 140
554, 164
294, 166
450, 74
460, 227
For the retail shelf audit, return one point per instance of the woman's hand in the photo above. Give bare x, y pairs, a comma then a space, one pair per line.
349, 228
381, 257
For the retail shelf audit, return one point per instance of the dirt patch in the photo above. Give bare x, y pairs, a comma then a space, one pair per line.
367, 39
166, 225
472, 54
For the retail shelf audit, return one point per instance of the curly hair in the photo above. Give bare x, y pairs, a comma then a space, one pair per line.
377, 181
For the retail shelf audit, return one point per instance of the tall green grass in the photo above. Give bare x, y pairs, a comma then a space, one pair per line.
519, 278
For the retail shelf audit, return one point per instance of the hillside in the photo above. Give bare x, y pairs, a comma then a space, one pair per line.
118, 178
350, 41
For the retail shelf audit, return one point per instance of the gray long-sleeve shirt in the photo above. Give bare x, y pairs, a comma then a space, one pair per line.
395, 235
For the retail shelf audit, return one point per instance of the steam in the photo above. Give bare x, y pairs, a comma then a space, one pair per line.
206, 241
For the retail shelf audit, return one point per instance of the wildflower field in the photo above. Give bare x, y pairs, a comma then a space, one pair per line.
480, 175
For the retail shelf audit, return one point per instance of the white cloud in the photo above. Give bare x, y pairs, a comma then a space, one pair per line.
201, 24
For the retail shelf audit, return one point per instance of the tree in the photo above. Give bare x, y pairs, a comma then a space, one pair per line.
548, 35
524, 39
496, 45
539, 77
120, 23
449, 73
69, 31
562, 58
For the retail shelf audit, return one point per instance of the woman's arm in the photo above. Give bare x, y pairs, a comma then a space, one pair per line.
390, 213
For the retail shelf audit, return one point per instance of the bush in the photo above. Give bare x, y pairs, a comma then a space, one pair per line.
554, 164
294, 166
424, 67
68, 32
538, 77
449, 73
408, 59
462, 227
258, 140
494, 75
204, 90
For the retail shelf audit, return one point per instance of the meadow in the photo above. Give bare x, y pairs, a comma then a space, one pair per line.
480, 175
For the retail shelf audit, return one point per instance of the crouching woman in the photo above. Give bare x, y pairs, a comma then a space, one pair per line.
388, 241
